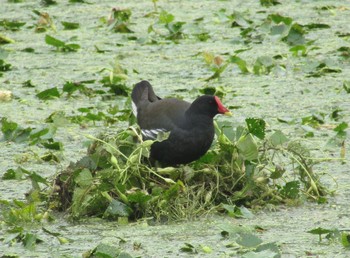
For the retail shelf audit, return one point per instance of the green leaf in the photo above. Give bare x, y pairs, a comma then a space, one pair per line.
165, 17
70, 25
298, 49
269, 3
106, 251
247, 147
139, 197
248, 240
341, 127
291, 189
242, 65
54, 42
278, 173
52, 145
345, 239
277, 18
117, 209
295, 35
13, 174
48, 94
278, 138
312, 26
256, 127
11, 25
13, 132
188, 248
37, 179
84, 178
319, 231
8, 127
346, 86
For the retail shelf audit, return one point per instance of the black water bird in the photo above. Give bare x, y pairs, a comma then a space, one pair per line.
190, 125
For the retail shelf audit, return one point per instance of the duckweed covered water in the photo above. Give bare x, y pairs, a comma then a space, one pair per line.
294, 87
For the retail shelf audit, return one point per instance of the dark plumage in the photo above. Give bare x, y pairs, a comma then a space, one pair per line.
190, 125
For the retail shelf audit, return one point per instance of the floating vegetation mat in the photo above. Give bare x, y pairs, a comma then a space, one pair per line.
246, 166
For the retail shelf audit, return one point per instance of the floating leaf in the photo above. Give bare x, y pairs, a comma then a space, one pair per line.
277, 18
4, 66
60, 45
70, 25
320, 231
268, 3
119, 20
54, 42
345, 239
346, 86
341, 127
48, 94
105, 251
312, 26
295, 35
278, 138
11, 25
188, 248
248, 240
165, 17
242, 65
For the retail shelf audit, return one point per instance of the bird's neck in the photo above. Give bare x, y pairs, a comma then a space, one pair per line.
198, 120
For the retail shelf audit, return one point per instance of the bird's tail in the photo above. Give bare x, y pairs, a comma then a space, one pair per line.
142, 91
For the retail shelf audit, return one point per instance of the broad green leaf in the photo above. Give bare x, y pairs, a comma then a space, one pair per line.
269, 3
278, 173
319, 231
54, 42
70, 25
346, 86
312, 26
248, 240
247, 147
106, 251
256, 127
262, 254
117, 209
13, 174
139, 197
8, 127
341, 127
345, 239
84, 178
295, 35
165, 17
277, 18
291, 189
188, 248
30, 240
11, 25
48, 94
242, 65
278, 138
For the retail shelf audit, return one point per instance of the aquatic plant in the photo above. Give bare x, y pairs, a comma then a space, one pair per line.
246, 166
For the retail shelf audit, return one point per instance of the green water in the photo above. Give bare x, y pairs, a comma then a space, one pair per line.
177, 69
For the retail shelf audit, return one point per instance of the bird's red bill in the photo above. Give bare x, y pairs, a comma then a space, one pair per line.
221, 108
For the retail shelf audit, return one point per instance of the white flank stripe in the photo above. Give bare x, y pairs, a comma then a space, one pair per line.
134, 108
151, 133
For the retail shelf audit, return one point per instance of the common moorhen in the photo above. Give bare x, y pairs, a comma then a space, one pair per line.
190, 125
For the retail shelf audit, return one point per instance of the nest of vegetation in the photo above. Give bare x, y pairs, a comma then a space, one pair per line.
243, 167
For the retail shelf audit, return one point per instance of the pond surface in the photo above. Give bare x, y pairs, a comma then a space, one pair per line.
178, 69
